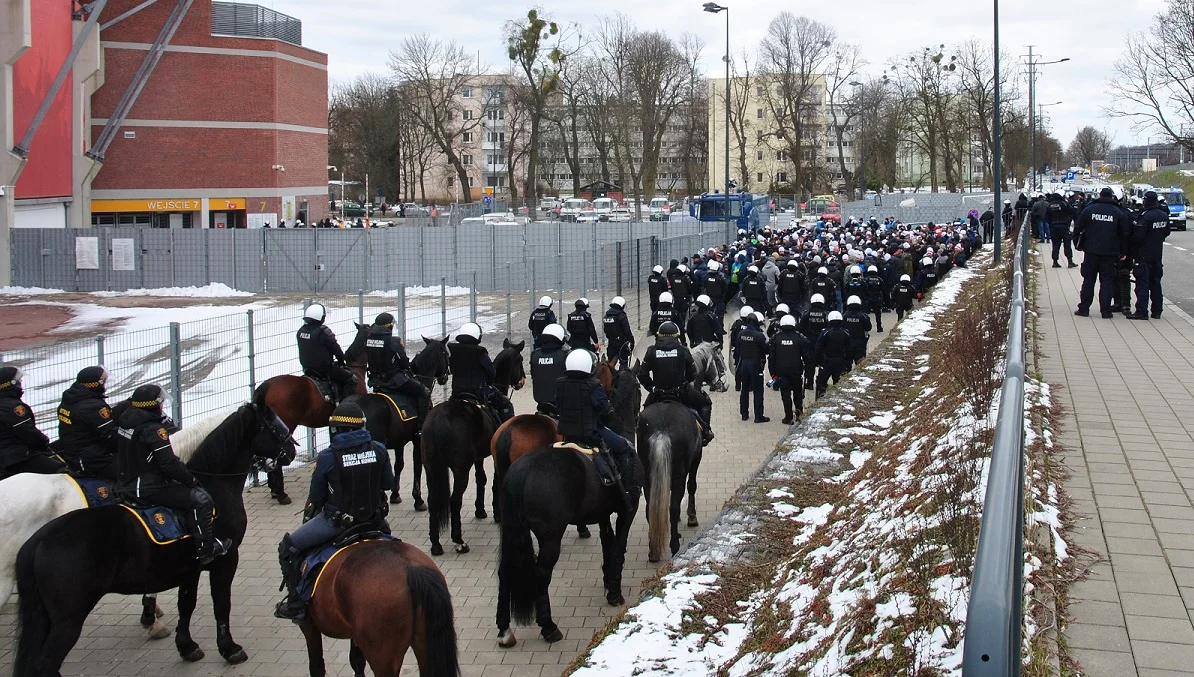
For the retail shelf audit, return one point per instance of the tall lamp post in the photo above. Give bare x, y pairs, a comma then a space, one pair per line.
714, 8
858, 155
1032, 124
1040, 115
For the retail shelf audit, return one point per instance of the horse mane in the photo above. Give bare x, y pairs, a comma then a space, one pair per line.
506, 358
188, 440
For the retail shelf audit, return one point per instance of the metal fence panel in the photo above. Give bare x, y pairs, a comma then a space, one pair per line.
27, 258
290, 259
157, 258
341, 260
250, 265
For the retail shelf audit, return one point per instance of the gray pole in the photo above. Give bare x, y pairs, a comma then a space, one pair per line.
997, 137
443, 306
1032, 112
176, 371
402, 310
252, 353
361, 306
729, 228
99, 350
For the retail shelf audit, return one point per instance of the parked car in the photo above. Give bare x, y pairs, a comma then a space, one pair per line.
548, 204
603, 206
832, 213
620, 215
574, 207
660, 208
349, 209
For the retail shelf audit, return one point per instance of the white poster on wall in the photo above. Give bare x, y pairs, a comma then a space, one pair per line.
289, 211
122, 254
87, 253
259, 220
221, 219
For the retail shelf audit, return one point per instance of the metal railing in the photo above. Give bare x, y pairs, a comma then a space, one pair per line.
254, 21
995, 616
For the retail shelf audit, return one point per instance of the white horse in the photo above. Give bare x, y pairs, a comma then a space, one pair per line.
28, 501
710, 367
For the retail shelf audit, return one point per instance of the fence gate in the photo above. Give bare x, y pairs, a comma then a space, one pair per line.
341, 260
289, 259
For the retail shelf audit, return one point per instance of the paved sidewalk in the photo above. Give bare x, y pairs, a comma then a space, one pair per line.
1127, 390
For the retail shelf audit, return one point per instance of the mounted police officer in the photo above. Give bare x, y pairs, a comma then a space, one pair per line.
832, 353
815, 320
665, 312
348, 490
148, 470
23, 448
583, 406
668, 370
717, 289
752, 360
320, 354
619, 337
656, 285
581, 331
87, 438
473, 372
789, 349
540, 318
389, 368
547, 365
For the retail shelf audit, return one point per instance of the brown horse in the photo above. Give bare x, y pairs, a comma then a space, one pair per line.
383, 596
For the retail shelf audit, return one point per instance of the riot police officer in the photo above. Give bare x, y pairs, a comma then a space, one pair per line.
781, 311
1102, 232
902, 295
703, 326
348, 489
736, 329
1147, 242
754, 290
876, 295
665, 312
389, 368
752, 360
583, 406
1060, 215
823, 285
832, 353
320, 355
87, 438
581, 331
23, 448
541, 316
669, 370
619, 337
656, 285
547, 365
858, 323
792, 285
147, 469
815, 320
788, 350
717, 288
473, 372
680, 284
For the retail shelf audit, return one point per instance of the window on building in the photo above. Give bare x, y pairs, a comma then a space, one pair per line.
466, 137
494, 159
466, 115
451, 181
758, 133
470, 182
497, 137
466, 159
781, 155
496, 114
759, 155
759, 113
760, 177
758, 91
782, 177
466, 92
495, 95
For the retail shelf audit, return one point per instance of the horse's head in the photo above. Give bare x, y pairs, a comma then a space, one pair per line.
604, 373
273, 444
432, 361
508, 365
355, 355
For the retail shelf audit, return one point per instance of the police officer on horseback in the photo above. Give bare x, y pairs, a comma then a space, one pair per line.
583, 407
547, 365
540, 318
148, 470
473, 372
23, 448
389, 368
668, 372
87, 438
581, 331
618, 334
348, 491
320, 354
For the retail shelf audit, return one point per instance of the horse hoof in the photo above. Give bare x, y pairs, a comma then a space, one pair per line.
157, 610
420, 506
395, 499
583, 532
236, 657
462, 549
497, 519
283, 499
481, 514
158, 631
692, 521
194, 656
615, 600
553, 636
653, 558
506, 639
437, 549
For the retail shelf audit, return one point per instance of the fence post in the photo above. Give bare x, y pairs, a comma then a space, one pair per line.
361, 306
252, 352
472, 301
99, 350
584, 274
618, 267
443, 306
532, 285
176, 371
402, 311
509, 300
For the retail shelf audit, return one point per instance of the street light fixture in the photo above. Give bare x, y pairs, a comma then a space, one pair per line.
714, 8
1032, 124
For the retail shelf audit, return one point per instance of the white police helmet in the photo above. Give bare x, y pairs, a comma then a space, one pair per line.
817, 298
926, 261
581, 361
835, 316
714, 266
853, 301
704, 300
759, 317
470, 329
752, 269
682, 268
554, 330
787, 321
657, 269
665, 297
822, 271
746, 312
872, 269
315, 312
782, 308
905, 278
545, 301
618, 301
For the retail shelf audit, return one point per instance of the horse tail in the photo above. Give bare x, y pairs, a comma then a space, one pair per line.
429, 594
435, 460
659, 503
517, 568
33, 620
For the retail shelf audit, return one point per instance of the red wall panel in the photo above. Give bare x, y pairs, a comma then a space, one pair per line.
48, 172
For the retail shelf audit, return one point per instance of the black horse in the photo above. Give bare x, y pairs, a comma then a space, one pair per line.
669, 446
545, 492
387, 427
626, 399
68, 565
456, 436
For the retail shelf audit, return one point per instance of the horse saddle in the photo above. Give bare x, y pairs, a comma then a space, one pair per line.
404, 405
325, 386
315, 561
586, 449
96, 492
481, 405
162, 525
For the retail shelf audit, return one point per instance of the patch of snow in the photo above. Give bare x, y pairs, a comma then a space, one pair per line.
782, 492
28, 291
216, 290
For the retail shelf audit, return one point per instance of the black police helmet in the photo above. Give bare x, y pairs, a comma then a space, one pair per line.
149, 397
1106, 192
669, 328
10, 378
1150, 199
384, 320
347, 416
92, 378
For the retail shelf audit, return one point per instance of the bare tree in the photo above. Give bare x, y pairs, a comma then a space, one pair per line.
615, 36
1089, 144
792, 59
840, 77
925, 83
742, 82
1154, 79
976, 85
433, 73
364, 132
657, 72
880, 120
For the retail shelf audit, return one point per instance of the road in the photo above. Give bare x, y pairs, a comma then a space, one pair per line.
1178, 282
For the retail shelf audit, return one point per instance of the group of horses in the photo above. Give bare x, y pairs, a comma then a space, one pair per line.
384, 596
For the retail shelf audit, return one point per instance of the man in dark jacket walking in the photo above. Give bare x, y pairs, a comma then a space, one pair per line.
1060, 215
1101, 233
1147, 243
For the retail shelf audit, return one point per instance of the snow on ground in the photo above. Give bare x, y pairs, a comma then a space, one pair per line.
28, 291
212, 291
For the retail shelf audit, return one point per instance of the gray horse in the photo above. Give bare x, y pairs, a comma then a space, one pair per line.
710, 366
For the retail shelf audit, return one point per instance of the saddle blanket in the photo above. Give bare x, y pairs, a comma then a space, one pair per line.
96, 492
162, 525
315, 562
406, 407
574, 446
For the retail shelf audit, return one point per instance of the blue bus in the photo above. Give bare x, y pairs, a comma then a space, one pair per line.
748, 211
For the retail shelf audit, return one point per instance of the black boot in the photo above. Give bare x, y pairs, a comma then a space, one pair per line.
606, 469
293, 607
208, 546
706, 428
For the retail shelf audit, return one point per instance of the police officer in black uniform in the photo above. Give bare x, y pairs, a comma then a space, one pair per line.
744, 314
703, 326
752, 360
902, 296
473, 372
680, 284
540, 318
716, 288
581, 331
389, 368
788, 350
1102, 234
619, 337
665, 312
815, 320
87, 438
754, 290
348, 489
1148, 245
792, 285
858, 323
656, 285
823, 285
832, 353
583, 406
320, 354
547, 365
148, 470
876, 295
1059, 214
668, 371
23, 448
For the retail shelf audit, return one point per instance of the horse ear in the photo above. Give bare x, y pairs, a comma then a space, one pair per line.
521, 345
444, 340
356, 324
427, 340
505, 343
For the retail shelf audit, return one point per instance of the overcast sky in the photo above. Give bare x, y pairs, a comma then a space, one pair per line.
358, 35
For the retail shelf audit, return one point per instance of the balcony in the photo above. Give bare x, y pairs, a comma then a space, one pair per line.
254, 21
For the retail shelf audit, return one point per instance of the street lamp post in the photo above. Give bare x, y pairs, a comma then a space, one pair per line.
858, 155
714, 8
1032, 121
1040, 114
